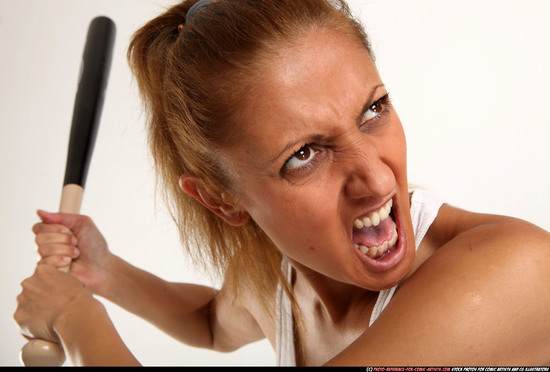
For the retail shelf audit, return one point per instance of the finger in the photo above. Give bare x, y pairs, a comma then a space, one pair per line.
72, 221
56, 261
54, 249
21, 298
55, 238
42, 227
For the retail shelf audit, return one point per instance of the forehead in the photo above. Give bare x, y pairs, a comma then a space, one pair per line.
322, 60
308, 87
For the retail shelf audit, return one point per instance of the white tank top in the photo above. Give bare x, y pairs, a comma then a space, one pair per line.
424, 209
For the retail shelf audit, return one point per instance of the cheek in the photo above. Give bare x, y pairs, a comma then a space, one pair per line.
278, 211
395, 149
293, 218
269, 208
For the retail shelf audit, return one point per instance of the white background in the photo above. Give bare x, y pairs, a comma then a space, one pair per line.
470, 80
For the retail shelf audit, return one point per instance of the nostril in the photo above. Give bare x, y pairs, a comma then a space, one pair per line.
373, 179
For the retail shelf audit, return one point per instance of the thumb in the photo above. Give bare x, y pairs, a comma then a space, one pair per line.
69, 220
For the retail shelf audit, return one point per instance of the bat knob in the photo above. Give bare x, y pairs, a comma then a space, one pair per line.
42, 353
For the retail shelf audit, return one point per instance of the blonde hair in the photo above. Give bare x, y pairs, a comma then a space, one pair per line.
191, 81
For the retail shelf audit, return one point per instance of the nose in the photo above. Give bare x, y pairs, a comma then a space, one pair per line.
368, 175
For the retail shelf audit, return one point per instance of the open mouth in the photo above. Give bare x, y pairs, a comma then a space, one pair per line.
375, 235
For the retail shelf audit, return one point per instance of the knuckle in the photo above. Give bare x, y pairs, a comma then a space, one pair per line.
25, 283
46, 250
36, 227
20, 298
17, 317
86, 220
42, 250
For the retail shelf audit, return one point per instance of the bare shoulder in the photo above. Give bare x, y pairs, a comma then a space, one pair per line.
238, 319
481, 298
490, 245
452, 223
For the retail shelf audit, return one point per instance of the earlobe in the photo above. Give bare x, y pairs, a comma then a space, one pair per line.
220, 205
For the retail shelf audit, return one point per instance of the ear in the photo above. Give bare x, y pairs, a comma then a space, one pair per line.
221, 204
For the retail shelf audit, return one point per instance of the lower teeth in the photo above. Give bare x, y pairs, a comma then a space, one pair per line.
380, 250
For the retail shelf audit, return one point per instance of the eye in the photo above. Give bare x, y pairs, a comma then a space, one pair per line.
300, 157
375, 109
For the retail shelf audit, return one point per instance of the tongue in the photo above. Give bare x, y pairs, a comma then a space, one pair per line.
374, 236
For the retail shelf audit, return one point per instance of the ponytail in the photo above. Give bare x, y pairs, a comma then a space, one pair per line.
192, 76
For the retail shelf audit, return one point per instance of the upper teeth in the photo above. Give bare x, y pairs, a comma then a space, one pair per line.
374, 218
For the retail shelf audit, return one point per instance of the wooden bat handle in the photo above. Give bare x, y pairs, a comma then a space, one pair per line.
96, 62
71, 198
71, 201
40, 352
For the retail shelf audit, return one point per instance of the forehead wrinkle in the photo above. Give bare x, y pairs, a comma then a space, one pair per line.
303, 114
329, 119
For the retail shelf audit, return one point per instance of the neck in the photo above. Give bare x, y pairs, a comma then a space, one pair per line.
331, 298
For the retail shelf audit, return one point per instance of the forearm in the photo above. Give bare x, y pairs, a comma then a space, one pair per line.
89, 337
180, 310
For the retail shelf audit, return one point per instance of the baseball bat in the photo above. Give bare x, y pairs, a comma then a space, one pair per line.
94, 73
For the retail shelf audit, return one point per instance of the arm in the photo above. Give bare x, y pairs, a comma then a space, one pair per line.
196, 315
90, 338
480, 299
56, 307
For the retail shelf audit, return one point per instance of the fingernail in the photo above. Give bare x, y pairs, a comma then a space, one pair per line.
76, 252
74, 240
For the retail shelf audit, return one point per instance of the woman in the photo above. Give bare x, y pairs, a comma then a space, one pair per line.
285, 167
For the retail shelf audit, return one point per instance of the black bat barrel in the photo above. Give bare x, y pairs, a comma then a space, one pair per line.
96, 63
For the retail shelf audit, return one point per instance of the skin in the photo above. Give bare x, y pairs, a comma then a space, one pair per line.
359, 164
473, 294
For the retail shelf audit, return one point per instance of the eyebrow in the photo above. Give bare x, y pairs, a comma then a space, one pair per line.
318, 137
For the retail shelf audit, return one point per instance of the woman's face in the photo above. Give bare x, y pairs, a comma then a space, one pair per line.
320, 149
